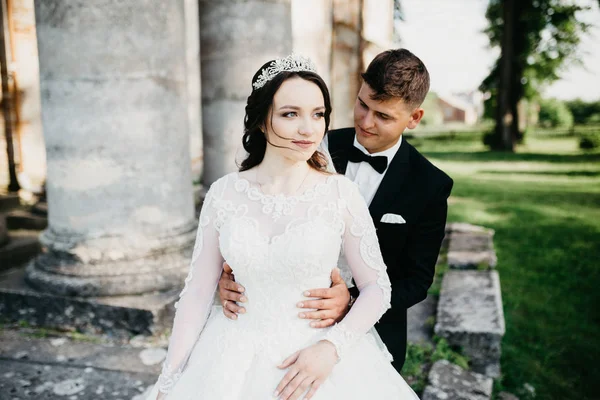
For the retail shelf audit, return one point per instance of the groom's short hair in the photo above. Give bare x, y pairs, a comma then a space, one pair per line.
398, 73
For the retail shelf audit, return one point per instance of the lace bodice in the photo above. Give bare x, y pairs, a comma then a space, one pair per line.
278, 246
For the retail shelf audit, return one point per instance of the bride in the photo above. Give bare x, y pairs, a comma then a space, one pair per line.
281, 223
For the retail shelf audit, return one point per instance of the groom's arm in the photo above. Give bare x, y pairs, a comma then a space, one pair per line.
421, 252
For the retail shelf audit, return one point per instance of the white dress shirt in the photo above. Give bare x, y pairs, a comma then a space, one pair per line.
363, 174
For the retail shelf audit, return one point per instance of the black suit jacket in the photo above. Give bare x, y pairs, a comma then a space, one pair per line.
418, 191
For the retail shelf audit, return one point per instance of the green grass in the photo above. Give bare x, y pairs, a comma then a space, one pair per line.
420, 357
544, 203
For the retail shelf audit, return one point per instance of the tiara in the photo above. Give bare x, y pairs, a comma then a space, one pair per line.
291, 63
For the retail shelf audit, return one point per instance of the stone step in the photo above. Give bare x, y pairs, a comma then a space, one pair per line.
40, 208
21, 219
39, 381
21, 247
463, 227
94, 351
9, 201
116, 316
470, 316
419, 316
471, 247
448, 381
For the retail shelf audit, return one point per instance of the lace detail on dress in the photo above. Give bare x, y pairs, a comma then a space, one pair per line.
278, 247
361, 244
203, 222
168, 378
280, 205
342, 338
369, 244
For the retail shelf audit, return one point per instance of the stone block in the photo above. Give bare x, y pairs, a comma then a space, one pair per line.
470, 316
94, 351
420, 330
448, 381
116, 316
462, 227
472, 259
471, 242
20, 219
25, 380
471, 249
40, 208
22, 246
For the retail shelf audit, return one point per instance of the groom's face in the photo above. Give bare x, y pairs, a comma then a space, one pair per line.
379, 124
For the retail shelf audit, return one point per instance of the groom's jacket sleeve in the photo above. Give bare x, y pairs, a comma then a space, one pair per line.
422, 247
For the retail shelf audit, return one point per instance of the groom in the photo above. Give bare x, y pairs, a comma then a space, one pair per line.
406, 194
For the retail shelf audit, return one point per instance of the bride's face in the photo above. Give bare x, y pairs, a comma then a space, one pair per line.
296, 123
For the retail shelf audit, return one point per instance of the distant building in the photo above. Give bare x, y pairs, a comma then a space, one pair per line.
461, 108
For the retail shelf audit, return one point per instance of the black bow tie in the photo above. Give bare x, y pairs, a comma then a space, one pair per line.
379, 163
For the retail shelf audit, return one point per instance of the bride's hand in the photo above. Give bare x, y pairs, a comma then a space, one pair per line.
308, 368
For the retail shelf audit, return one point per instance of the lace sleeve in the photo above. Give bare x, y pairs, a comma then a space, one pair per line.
361, 249
196, 297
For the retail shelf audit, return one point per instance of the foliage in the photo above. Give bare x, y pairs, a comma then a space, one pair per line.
420, 357
542, 202
545, 35
590, 140
443, 351
584, 112
554, 113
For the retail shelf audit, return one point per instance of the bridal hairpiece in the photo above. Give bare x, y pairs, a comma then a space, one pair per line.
291, 63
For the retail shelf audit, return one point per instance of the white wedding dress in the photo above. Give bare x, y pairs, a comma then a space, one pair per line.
278, 246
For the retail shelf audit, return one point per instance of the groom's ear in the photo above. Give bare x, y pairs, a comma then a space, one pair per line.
415, 118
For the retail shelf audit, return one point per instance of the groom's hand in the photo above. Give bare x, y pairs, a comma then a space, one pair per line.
230, 293
332, 303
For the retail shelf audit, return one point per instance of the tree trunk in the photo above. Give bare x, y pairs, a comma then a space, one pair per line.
13, 185
505, 114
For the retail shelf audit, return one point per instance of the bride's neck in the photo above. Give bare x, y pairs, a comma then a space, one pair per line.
281, 173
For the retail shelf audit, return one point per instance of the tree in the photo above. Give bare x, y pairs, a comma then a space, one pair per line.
585, 112
555, 114
536, 38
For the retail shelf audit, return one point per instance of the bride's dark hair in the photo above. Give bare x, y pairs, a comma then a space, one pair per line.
258, 106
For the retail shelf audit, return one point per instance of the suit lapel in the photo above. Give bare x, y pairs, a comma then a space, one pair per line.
391, 185
389, 188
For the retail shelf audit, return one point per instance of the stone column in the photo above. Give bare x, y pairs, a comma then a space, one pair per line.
377, 28
361, 30
346, 64
312, 33
236, 38
194, 103
120, 206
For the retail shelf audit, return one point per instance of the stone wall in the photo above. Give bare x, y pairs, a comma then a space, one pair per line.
469, 316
